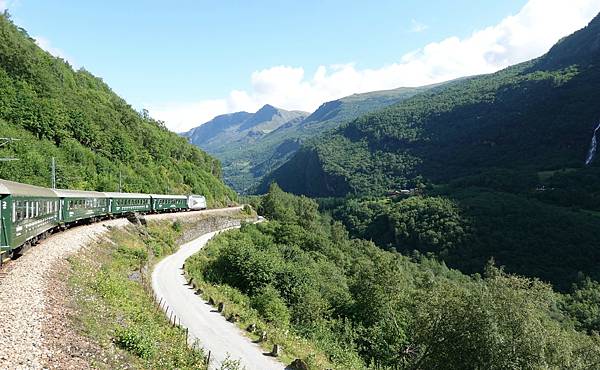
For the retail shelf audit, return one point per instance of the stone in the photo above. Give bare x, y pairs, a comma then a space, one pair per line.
263, 336
276, 352
298, 364
221, 307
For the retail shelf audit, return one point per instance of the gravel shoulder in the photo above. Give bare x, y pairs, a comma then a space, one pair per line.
25, 296
213, 332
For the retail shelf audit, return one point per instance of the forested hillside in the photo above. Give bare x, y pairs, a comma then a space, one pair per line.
536, 116
507, 150
359, 307
55, 111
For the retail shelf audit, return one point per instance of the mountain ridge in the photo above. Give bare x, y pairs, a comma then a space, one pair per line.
486, 121
244, 165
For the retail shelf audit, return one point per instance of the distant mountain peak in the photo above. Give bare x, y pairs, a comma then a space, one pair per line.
267, 108
265, 113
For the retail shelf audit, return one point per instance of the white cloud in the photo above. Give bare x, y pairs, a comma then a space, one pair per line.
45, 44
525, 35
416, 26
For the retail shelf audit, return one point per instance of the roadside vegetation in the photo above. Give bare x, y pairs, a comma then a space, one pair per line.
111, 286
356, 306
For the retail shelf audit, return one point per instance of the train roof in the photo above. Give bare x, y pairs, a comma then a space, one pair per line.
65, 193
167, 196
127, 195
16, 188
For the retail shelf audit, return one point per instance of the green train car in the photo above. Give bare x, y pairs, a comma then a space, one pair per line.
27, 213
30, 213
129, 202
76, 205
169, 202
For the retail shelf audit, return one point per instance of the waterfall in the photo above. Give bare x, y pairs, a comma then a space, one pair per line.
592, 152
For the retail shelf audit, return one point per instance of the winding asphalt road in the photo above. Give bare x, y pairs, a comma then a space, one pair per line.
206, 325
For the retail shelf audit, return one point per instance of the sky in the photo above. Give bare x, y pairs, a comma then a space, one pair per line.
187, 61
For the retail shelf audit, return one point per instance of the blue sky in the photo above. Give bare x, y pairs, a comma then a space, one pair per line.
190, 61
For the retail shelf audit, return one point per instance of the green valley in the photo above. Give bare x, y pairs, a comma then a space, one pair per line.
505, 151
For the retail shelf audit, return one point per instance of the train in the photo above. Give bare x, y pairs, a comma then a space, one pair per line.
30, 213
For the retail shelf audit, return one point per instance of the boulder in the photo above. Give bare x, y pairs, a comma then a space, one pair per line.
298, 364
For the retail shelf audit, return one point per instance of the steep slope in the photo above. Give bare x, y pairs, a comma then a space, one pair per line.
223, 132
93, 133
508, 150
213, 128
227, 135
539, 115
246, 161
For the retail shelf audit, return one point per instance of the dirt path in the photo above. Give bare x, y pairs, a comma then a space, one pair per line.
214, 333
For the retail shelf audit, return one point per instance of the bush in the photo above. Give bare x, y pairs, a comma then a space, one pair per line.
134, 342
271, 306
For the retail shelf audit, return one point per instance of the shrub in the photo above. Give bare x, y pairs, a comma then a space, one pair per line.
134, 342
271, 306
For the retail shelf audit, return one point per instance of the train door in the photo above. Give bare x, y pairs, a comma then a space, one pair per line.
6, 211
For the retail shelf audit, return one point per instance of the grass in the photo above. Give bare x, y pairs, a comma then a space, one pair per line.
110, 285
545, 175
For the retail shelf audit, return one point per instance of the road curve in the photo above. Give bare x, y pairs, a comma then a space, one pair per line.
211, 329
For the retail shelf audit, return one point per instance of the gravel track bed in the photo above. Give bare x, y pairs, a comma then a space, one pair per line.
34, 333
23, 297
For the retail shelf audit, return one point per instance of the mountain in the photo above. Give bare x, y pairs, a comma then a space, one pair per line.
241, 128
255, 154
535, 116
226, 135
95, 136
508, 149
